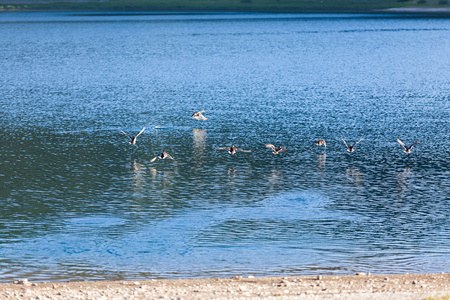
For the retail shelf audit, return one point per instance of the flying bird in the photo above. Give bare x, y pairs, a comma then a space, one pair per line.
276, 150
320, 143
232, 149
163, 155
133, 138
350, 148
199, 116
407, 149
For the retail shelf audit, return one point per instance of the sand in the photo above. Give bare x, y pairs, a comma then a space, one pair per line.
362, 286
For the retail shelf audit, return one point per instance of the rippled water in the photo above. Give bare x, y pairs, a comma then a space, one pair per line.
77, 202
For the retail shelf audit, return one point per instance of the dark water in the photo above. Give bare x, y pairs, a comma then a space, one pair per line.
77, 202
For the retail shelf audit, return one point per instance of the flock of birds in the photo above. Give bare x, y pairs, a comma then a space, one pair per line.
275, 150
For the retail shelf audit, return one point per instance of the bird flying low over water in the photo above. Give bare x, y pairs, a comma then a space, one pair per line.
232, 149
132, 138
320, 143
407, 149
350, 148
163, 155
276, 150
199, 116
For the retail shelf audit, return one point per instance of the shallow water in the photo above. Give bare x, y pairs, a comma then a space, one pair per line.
79, 203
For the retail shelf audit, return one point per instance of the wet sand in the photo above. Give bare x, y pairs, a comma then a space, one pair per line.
362, 286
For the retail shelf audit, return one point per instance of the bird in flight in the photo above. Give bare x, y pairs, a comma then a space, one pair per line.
232, 149
199, 116
350, 148
276, 150
133, 138
163, 155
407, 149
320, 143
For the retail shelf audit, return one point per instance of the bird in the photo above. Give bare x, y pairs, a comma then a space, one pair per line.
133, 138
407, 149
351, 148
163, 155
233, 149
276, 150
199, 116
320, 143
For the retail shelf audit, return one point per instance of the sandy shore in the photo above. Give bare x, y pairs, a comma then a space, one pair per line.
362, 286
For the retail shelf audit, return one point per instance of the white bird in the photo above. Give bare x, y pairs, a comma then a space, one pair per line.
233, 149
199, 116
276, 150
407, 149
163, 155
351, 148
133, 138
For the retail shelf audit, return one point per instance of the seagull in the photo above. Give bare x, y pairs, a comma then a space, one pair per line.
407, 149
276, 150
133, 138
320, 143
198, 115
351, 148
163, 155
233, 149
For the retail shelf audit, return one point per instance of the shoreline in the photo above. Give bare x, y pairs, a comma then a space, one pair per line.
360, 286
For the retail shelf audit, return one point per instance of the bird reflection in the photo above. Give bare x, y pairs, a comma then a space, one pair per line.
321, 161
138, 175
274, 177
353, 174
404, 181
199, 145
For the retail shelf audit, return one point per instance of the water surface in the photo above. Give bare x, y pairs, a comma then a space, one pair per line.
77, 202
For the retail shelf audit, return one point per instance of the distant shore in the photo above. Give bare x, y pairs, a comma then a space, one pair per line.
361, 286
428, 7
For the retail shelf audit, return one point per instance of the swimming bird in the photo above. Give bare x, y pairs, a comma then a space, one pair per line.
199, 116
407, 149
320, 143
133, 138
232, 149
163, 155
351, 148
276, 150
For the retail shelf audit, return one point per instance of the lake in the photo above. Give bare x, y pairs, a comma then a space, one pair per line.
78, 202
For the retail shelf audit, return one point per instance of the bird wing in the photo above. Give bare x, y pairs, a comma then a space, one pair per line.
126, 134
401, 143
282, 149
169, 156
240, 149
344, 142
357, 142
153, 159
223, 148
270, 146
140, 132
415, 143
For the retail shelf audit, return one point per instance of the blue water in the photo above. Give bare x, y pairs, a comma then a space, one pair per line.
77, 202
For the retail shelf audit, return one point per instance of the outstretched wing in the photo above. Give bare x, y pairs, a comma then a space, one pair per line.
270, 146
282, 149
169, 156
344, 142
401, 143
222, 148
358, 142
416, 142
140, 132
153, 159
126, 134
240, 149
